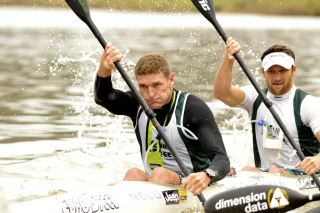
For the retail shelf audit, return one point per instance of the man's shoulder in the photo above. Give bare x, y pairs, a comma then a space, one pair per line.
305, 96
311, 101
249, 88
251, 95
190, 98
195, 105
193, 99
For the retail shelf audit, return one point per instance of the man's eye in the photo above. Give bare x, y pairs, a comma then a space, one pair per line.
157, 85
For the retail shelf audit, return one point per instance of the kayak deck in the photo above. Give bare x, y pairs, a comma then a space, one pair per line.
136, 196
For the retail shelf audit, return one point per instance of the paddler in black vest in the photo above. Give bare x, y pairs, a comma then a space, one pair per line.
299, 111
186, 120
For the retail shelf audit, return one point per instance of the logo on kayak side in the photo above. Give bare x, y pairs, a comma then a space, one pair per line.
89, 203
253, 202
277, 198
175, 196
274, 198
306, 183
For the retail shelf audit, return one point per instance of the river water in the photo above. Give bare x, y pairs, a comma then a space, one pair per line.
54, 138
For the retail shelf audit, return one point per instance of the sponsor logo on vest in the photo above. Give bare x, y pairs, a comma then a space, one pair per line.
204, 5
171, 197
256, 202
88, 204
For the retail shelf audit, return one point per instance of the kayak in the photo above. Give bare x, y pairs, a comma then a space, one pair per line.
139, 196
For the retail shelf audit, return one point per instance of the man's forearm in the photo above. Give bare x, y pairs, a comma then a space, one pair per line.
223, 79
102, 72
102, 88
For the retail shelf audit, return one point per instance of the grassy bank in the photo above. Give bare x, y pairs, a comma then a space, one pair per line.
279, 7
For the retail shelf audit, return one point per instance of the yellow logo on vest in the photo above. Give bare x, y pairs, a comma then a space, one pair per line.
154, 158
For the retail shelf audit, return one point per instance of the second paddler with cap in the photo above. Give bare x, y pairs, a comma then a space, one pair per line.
299, 111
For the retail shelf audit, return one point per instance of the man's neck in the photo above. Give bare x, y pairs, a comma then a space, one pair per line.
282, 96
162, 112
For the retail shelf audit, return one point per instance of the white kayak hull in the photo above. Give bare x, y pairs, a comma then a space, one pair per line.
135, 196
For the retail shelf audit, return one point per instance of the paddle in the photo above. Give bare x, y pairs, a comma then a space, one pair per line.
206, 8
263, 198
81, 9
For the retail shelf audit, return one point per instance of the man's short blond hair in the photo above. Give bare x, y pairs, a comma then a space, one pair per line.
152, 64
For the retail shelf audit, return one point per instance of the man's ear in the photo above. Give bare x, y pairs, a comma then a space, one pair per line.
294, 69
171, 79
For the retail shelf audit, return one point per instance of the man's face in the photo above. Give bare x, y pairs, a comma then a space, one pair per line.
156, 89
279, 79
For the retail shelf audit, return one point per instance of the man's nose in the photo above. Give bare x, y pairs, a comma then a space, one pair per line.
151, 91
277, 76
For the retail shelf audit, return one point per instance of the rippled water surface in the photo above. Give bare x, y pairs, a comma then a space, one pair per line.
54, 138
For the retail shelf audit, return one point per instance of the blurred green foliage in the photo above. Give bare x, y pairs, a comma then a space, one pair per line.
278, 7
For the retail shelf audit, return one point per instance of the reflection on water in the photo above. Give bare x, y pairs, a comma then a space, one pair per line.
52, 133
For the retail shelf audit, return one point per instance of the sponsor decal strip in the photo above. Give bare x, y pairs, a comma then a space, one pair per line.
256, 202
175, 196
89, 204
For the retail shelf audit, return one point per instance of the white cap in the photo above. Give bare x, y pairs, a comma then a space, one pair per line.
277, 58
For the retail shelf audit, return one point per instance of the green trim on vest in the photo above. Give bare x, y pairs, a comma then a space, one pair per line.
154, 156
308, 142
137, 129
179, 111
257, 103
200, 161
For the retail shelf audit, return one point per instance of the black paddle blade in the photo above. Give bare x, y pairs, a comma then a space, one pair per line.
206, 8
264, 198
80, 8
